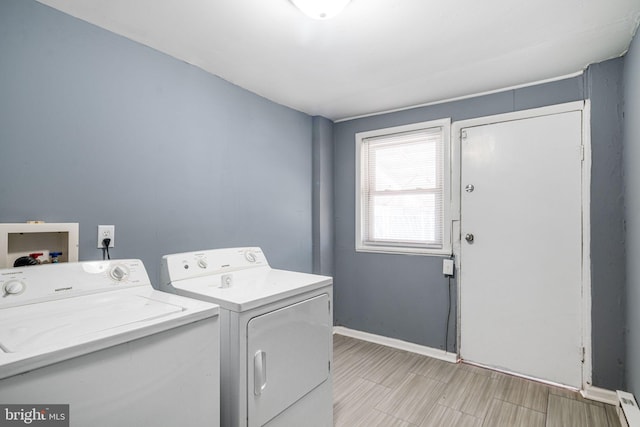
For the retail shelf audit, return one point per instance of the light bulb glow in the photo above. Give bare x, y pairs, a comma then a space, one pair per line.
321, 9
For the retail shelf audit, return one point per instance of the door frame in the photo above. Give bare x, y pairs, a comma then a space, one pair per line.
456, 191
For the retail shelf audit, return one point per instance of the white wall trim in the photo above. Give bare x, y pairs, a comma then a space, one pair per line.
600, 395
396, 343
473, 95
587, 367
518, 115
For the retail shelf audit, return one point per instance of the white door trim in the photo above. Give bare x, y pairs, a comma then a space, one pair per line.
456, 127
586, 246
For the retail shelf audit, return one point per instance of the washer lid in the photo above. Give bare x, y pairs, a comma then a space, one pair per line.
72, 321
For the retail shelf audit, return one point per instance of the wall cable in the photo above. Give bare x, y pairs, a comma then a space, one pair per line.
105, 248
446, 333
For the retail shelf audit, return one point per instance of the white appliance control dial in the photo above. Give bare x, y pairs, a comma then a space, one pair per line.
202, 263
250, 256
13, 287
119, 272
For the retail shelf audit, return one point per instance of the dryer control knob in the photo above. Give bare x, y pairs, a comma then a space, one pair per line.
14, 287
119, 273
202, 263
250, 256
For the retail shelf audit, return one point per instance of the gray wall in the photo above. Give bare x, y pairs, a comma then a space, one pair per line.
604, 88
632, 200
322, 196
97, 129
405, 296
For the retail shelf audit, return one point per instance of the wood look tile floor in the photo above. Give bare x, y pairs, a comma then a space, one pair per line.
376, 385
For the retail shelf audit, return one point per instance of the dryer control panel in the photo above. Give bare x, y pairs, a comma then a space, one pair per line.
189, 265
27, 285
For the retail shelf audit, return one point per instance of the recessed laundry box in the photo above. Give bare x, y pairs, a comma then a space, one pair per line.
276, 335
97, 337
41, 242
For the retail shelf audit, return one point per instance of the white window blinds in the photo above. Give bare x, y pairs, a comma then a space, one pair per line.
402, 189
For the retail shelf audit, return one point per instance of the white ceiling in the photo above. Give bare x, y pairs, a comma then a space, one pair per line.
378, 55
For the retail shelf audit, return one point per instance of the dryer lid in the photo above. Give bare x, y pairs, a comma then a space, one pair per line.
250, 288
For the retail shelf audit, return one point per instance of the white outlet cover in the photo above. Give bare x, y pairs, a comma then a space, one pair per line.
447, 267
107, 231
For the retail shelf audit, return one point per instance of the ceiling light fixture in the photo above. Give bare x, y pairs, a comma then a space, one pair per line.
321, 9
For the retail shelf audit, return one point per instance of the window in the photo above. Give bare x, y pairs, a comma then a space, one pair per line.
403, 189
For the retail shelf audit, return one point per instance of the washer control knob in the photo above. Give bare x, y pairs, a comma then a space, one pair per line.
119, 272
14, 287
202, 263
250, 256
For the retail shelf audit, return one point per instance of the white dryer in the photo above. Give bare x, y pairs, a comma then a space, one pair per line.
276, 335
97, 336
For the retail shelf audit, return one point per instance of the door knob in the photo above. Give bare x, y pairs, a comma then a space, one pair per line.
469, 238
469, 188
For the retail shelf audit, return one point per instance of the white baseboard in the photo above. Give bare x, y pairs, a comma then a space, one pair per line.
396, 343
600, 395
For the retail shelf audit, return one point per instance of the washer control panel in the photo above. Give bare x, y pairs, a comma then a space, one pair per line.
26, 285
189, 265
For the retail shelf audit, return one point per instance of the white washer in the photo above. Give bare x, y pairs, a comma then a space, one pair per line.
276, 335
97, 336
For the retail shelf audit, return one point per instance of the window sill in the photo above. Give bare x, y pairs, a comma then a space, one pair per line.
404, 250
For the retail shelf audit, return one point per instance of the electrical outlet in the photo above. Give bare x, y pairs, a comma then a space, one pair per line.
106, 232
447, 267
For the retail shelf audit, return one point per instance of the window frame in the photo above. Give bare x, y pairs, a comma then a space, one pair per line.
404, 247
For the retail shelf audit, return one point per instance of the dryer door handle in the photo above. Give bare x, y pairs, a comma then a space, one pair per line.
259, 372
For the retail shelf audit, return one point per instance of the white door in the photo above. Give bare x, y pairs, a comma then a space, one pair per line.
521, 247
288, 356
